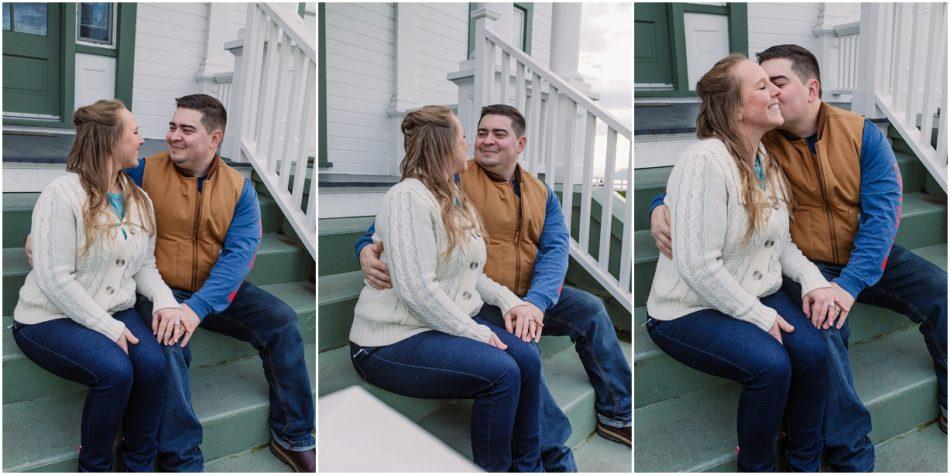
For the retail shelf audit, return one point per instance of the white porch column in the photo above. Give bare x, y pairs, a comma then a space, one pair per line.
217, 59
484, 17
404, 96
565, 44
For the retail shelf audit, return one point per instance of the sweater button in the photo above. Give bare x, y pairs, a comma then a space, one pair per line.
757, 275
120, 262
473, 266
466, 295
769, 243
110, 290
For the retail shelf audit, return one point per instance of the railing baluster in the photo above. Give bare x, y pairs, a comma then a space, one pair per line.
254, 74
590, 131
505, 77
607, 211
534, 123
292, 142
269, 89
281, 105
520, 87
912, 66
551, 151
490, 70
303, 149
930, 82
895, 41
625, 268
567, 196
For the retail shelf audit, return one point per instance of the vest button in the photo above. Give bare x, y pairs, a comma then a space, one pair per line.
769, 243
757, 275
466, 295
775, 206
473, 266
110, 290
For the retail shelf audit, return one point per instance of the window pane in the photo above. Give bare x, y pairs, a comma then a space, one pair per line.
518, 25
29, 18
95, 22
6, 16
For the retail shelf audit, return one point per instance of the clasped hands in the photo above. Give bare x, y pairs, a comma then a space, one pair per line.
171, 324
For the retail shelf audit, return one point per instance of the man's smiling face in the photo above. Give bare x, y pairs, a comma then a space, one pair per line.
496, 144
189, 143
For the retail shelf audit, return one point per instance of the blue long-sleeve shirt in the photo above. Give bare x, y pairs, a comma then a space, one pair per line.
237, 254
880, 201
550, 263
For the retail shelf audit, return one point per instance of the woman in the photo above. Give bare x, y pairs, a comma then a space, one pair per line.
716, 306
419, 338
93, 242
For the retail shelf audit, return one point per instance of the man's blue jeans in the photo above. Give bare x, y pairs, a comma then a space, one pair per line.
582, 317
787, 378
503, 383
129, 387
911, 286
271, 327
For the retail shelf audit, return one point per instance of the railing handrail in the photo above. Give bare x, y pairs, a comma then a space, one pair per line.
295, 29
562, 86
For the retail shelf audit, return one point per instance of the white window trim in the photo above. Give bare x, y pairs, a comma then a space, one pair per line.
115, 31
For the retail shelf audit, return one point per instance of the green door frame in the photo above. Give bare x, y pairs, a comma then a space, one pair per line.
323, 161
738, 20
124, 53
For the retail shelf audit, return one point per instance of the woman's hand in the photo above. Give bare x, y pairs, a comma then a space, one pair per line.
167, 325
780, 326
819, 306
125, 339
496, 342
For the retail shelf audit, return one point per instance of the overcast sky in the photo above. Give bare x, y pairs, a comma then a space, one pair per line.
606, 57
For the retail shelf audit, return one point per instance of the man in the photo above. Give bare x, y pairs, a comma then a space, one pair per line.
208, 232
528, 253
846, 184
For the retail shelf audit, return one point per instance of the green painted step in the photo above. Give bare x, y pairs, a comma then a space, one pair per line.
923, 223
256, 460
660, 377
336, 238
207, 348
597, 455
893, 376
920, 450
231, 401
18, 213
280, 259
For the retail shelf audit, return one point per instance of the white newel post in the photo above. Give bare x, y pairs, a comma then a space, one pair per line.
404, 98
869, 50
231, 146
216, 59
472, 77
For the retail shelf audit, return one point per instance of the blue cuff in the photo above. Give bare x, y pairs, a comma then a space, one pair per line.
851, 285
198, 305
537, 301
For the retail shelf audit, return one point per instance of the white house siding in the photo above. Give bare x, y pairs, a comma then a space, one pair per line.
779, 23
360, 78
441, 35
541, 34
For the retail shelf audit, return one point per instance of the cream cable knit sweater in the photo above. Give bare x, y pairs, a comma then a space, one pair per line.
430, 291
712, 267
87, 288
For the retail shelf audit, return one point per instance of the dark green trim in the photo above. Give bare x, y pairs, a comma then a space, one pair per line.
125, 45
87, 49
739, 28
666, 93
301, 9
702, 8
678, 32
324, 159
528, 9
471, 32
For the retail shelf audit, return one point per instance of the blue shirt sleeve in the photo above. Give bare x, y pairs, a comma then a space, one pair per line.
657, 202
880, 212
137, 173
550, 263
236, 259
365, 240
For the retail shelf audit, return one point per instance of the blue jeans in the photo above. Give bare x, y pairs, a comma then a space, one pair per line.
127, 387
270, 326
504, 384
911, 286
582, 317
777, 378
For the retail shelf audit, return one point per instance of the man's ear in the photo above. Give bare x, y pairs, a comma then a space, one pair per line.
814, 90
216, 139
522, 142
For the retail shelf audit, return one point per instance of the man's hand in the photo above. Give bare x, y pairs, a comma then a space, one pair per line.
780, 326
819, 305
29, 250
660, 229
126, 339
845, 301
375, 271
191, 321
167, 325
525, 321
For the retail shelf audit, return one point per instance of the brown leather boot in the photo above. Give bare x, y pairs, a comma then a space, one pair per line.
305, 461
621, 435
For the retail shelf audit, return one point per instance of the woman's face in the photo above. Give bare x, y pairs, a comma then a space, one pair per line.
759, 108
127, 149
461, 147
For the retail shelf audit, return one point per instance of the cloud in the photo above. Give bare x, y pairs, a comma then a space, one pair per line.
606, 56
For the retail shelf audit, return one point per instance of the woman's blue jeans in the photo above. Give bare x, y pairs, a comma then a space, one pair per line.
504, 384
787, 378
121, 386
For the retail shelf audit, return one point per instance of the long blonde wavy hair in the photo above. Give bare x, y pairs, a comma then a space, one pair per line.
430, 145
99, 128
721, 94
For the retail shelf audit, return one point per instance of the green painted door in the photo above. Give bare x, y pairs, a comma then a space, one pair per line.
32, 59
653, 55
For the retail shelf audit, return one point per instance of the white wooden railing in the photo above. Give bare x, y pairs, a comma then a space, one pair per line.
840, 59
903, 67
562, 125
273, 110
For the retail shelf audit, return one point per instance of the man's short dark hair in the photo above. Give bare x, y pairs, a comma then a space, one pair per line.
804, 63
213, 115
517, 120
